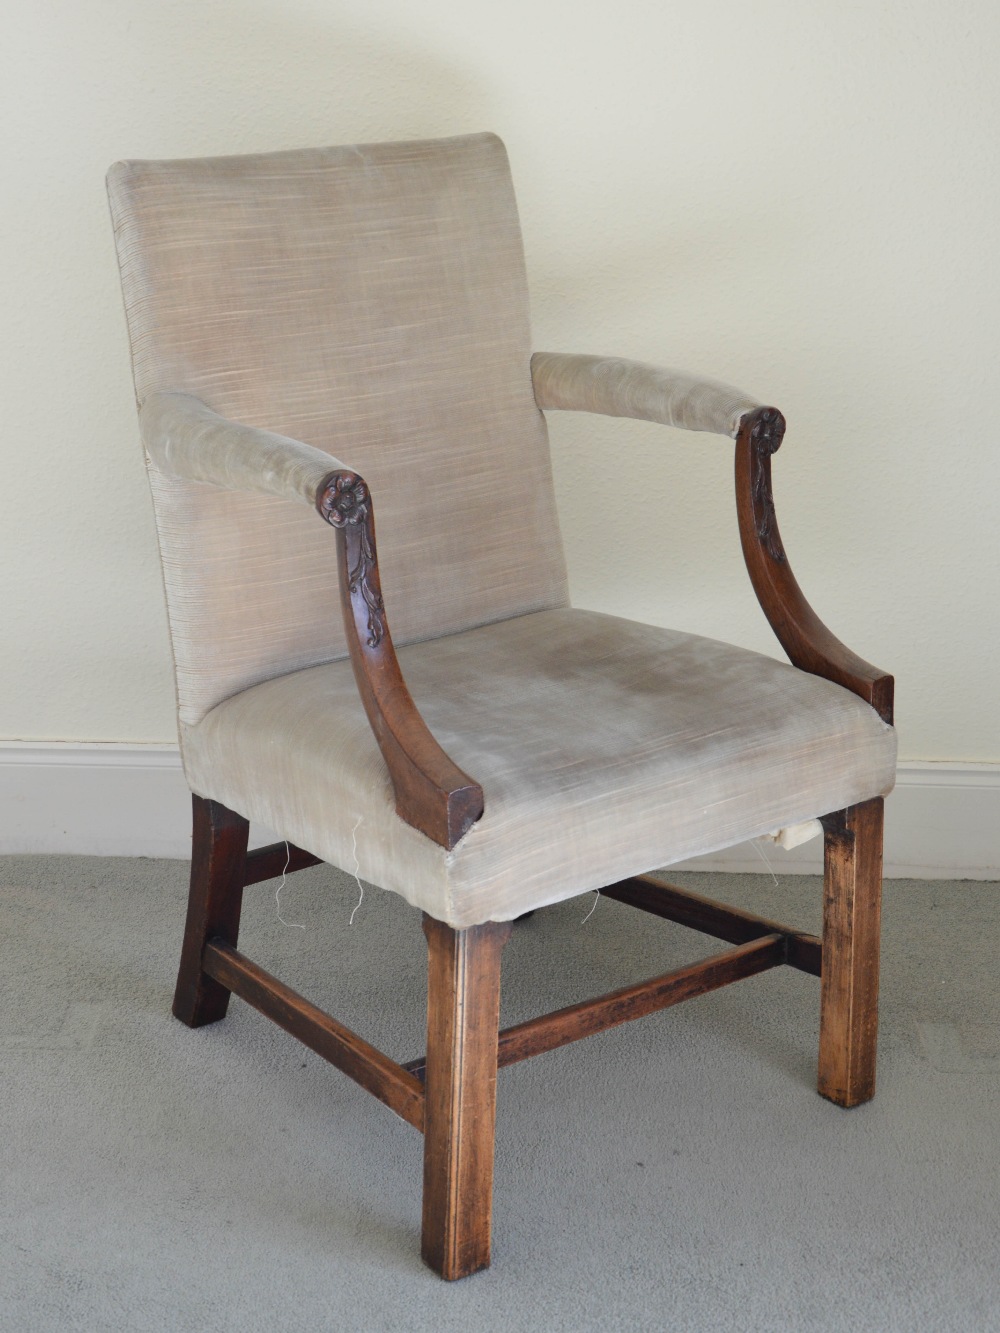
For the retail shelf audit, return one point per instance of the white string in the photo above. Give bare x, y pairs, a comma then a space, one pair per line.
357, 869
597, 894
760, 853
277, 893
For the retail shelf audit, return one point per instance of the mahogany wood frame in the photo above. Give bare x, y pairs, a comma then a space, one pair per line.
450, 1092
804, 637
432, 792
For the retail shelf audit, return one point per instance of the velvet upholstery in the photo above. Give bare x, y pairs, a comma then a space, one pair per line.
604, 748
366, 307
617, 387
369, 301
184, 438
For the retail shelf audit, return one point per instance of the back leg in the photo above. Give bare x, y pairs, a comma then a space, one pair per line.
218, 876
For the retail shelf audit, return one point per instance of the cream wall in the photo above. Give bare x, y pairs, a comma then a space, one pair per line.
800, 198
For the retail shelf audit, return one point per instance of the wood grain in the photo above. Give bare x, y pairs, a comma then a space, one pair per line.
804, 637
351, 1054
673, 903
550, 1031
852, 897
432, 793
276, 859
463, 1010
218, 873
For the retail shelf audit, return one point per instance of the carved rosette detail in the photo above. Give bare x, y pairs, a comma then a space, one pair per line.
346, 504
344, 500
768, 430
765, 438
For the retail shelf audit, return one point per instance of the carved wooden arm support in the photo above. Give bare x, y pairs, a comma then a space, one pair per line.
185, 438
432, 793
804, 637
617, 387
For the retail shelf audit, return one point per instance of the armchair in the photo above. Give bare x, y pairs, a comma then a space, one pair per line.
322, 332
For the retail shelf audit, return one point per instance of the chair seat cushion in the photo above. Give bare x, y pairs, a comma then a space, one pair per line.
605, 748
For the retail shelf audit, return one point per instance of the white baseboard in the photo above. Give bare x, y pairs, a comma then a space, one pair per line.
942, 821
95, 800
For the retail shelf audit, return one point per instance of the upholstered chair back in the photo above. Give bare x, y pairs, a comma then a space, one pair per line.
370, 301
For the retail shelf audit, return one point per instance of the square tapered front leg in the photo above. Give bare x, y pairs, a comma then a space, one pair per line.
852, 897
463, 1014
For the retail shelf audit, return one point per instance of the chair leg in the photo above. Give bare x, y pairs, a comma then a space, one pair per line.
463, 1017
218, 874
851, 927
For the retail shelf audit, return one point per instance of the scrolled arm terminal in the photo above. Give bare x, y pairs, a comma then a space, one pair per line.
807, 641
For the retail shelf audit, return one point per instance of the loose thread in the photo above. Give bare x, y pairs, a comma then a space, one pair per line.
597, 894
357, 869
760, 853
296, 925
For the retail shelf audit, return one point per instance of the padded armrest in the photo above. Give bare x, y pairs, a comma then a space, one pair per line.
184, 438
621, 388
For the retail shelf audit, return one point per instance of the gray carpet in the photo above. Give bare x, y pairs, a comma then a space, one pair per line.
676, 1174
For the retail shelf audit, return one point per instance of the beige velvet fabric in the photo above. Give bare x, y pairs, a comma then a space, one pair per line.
622, 388
368, 301
184, 438
365, 307
604, 748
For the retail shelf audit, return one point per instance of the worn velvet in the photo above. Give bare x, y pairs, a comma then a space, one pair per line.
184, 438
369, 301
604, 748
617, 387
366, 307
